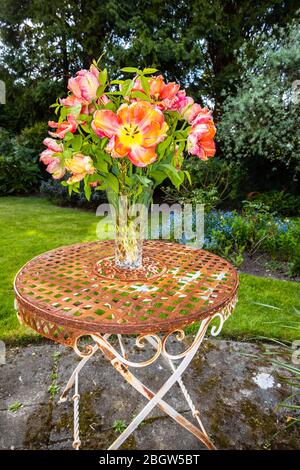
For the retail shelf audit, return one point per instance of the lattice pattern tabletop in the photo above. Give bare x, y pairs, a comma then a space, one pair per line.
66, 290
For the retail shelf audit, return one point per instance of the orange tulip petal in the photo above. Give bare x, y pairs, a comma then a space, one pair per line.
116, 148
143, 114
153, 134
141, 156
124, 114
169, 91
105, 123
208, 146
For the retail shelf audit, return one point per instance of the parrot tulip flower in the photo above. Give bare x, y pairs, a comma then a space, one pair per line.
134, 131
48, 156
80, 166
200, 140
53, 145
165, 95
84, 86
63, 127
72, 101
56, 169
54, 164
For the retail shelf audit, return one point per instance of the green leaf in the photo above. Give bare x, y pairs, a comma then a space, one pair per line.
110, 106
140, 95
114, 93
188, 176
101, 187
85, 127
127, 87
112, 182
158, 177
63, 114
117, 82
162, 147
68, 136
67, 154
143, 179
102, 165
145, 85
100, 90
130, 70
103, 76
175, 176
87, 188
149, 70
76, 143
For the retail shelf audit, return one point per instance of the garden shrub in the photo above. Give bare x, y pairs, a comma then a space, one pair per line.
261, 121
294, 265
32, 137
18, 175
285, 204
255, 230
210, 198
212, 182
19, 169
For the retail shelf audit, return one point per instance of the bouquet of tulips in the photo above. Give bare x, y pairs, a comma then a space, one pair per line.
125, 135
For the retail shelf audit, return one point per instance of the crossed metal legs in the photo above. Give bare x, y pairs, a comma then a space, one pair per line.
121, 363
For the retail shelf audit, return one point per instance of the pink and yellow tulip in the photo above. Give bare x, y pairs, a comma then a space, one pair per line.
54, 164
70, 125
56, 168
200, 140
134, 131
52, 148
72, 101
164, 94
84, 86
80, 166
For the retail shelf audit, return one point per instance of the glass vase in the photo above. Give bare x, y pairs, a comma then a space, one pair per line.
130, 216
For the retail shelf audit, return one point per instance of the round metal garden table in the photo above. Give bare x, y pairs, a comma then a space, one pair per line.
77, 291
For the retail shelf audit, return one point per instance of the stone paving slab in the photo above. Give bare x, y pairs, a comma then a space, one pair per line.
236, 395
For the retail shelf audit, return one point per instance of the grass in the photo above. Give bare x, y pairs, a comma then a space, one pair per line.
30, 226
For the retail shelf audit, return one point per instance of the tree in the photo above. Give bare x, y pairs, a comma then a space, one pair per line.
261, 122
192, 42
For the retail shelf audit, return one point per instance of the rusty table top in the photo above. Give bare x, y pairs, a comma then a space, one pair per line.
76, 289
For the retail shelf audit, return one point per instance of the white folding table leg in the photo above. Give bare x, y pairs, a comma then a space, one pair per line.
76, 398
165, 388
72, 379
77, 369
171, 412
186, 395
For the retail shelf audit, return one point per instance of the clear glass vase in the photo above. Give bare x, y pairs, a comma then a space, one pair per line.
130, 215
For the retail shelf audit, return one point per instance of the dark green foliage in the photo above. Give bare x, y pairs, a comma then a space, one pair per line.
32, 137
193, 42
212, 183
261, 122
294, 265
255, 230
197, 43
18, 175
19, 172
285, 204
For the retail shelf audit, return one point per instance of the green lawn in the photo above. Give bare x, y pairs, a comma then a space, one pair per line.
29, 226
